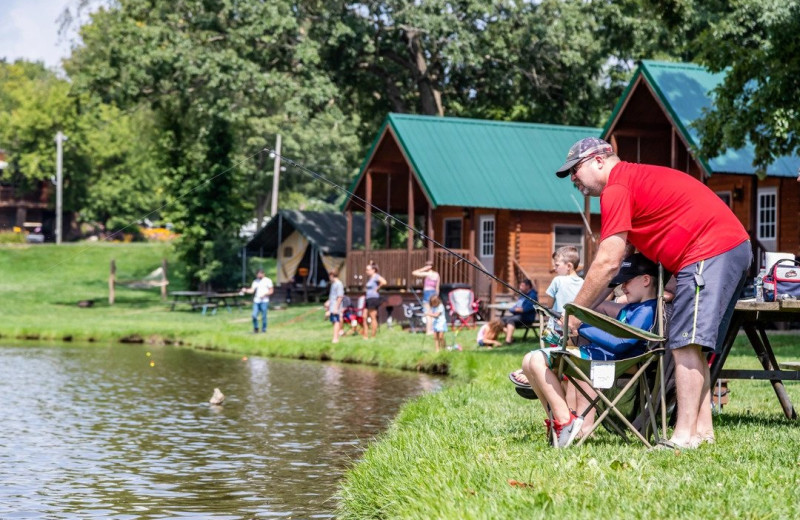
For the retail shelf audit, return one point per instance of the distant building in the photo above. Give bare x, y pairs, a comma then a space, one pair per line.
486, 190
20, 207
652, 123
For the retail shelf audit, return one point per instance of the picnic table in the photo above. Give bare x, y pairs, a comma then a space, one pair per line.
502, 308
192, 298
753, 317
206, 301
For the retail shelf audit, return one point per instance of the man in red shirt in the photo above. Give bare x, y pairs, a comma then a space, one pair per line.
676, 220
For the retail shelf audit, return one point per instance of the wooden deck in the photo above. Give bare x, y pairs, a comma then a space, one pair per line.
395, 265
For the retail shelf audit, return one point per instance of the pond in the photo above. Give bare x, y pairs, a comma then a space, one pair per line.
126, 431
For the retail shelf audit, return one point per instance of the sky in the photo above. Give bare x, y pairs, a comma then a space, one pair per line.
29, 30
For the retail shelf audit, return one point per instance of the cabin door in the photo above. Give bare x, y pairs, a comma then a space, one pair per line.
486, 242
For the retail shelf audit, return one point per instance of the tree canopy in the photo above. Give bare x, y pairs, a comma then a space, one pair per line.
170, 104
757, 101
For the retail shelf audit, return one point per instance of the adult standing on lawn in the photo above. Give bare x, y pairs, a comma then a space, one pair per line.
261, 289
373, 299
676, 220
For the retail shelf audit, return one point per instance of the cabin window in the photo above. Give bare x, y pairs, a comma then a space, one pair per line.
452, 233
569, 236
767, 212
487, 236
726, 196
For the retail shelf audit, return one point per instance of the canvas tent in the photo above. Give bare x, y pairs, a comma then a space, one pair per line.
307, 242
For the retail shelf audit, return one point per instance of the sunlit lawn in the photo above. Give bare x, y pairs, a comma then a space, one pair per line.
451, 454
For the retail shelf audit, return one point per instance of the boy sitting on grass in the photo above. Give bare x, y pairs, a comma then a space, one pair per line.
638, 277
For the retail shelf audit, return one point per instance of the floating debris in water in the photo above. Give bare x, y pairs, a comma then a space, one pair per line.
217, 398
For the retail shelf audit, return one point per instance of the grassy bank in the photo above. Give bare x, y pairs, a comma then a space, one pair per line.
451, 454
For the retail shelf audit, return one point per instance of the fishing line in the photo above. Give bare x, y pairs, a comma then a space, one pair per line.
146, 215
388, 217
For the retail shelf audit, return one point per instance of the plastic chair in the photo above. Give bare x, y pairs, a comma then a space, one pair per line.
463, 308
613, 382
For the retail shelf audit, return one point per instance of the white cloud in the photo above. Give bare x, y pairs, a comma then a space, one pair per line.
29, 30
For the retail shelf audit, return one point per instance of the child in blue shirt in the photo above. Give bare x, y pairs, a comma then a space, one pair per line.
638, 277
439, 318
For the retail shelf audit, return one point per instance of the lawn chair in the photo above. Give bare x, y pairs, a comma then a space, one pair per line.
617, 389
463, 308
354, 315
415, 314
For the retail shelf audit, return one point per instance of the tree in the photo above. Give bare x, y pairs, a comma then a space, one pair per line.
108, 173
553, 61
757, 101
221, 79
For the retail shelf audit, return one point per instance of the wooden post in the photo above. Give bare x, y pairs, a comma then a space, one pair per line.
111, 278
348, 258
430, 231
368, 213
388, 222
411, 226
164, 280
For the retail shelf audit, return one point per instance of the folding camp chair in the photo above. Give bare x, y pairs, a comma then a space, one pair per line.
415, 314
463, 308
354, 315
606, 377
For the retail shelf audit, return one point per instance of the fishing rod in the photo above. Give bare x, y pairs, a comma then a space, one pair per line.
585, 220
390, 218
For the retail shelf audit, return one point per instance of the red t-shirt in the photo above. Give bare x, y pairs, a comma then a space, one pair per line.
670, 216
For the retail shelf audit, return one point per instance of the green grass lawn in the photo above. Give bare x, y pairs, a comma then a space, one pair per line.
450, 454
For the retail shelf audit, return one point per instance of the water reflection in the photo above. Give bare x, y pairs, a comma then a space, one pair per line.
97, 432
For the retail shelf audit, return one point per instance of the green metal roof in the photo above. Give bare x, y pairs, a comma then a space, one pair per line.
489, 164
686, 91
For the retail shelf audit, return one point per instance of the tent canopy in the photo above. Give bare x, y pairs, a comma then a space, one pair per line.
327, 231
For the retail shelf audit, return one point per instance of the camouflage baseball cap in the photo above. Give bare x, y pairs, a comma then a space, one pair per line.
586, 147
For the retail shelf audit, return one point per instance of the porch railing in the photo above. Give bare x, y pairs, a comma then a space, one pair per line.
393, 265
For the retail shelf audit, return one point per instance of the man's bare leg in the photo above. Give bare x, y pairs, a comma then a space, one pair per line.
705, 426
691, 385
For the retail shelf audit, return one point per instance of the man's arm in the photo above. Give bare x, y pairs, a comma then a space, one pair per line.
610, 254
546, 300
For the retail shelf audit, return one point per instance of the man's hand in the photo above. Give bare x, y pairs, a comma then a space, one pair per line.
574, 323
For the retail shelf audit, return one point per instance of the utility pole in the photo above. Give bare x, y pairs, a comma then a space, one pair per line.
60, 138
276, 172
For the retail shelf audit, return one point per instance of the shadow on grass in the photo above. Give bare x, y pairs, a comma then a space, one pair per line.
129, 302
777, 420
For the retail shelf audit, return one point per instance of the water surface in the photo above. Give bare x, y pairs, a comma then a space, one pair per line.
126, 431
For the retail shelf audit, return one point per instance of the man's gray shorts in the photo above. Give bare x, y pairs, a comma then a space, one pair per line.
705, 297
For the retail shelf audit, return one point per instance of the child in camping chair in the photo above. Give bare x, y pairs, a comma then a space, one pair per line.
639, 278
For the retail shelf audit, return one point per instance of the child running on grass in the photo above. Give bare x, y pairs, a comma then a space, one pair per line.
489, 332
439, 321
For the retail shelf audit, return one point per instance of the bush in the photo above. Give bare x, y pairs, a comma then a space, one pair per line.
12, 237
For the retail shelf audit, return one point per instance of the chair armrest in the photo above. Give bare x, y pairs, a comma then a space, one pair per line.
609, 324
